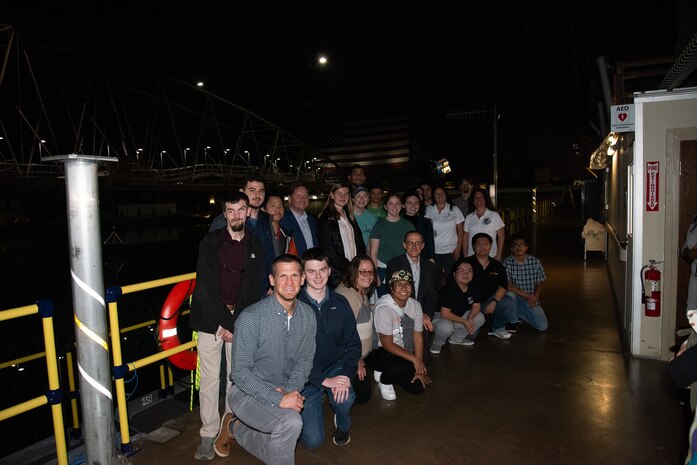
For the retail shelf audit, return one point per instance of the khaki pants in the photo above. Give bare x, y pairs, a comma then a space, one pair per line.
210, 355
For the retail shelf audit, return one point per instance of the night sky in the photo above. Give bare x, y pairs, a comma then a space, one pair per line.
536, 62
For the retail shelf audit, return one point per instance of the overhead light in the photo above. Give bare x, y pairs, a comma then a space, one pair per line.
441, 167
199, 84
322, 60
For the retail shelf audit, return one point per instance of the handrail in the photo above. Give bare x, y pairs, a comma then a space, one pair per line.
54, 395
120, 368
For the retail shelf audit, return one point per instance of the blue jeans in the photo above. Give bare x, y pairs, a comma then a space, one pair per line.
312, 434
504, 313
534, 316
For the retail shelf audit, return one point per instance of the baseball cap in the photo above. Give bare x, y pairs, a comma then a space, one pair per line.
401, 275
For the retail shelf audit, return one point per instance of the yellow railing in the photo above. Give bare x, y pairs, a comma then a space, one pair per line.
121, 369
45, 309
54, 396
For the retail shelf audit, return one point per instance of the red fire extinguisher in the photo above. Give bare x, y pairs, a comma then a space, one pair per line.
652, 302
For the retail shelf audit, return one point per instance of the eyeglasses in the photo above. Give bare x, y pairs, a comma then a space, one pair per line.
463, 271
366, 272
519, 246
413, 243
322, 270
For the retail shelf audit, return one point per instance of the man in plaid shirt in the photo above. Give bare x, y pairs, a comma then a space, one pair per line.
525, 278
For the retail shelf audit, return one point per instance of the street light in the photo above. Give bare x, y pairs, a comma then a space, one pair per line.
185, 150
161, 164
41, 143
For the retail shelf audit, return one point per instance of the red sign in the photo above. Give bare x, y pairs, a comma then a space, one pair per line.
652, 172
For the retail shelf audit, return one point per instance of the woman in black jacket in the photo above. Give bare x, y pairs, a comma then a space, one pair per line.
339, 234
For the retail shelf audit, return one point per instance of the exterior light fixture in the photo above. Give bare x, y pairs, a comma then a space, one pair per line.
322, 60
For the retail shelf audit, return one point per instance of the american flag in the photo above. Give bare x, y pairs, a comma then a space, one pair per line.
383, 141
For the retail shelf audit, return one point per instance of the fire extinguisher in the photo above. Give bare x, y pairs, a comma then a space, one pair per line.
652, 302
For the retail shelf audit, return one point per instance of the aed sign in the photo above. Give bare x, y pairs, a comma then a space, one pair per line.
622, 118
652, 173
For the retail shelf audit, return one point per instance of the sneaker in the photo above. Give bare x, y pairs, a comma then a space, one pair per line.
340, 438
376, 375
435, 349
461, 342
500, 333
387, 391
205, 449
223, 442
512, 327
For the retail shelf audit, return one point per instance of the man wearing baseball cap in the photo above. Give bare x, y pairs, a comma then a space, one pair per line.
391, 362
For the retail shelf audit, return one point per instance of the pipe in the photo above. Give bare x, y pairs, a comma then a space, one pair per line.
91, 333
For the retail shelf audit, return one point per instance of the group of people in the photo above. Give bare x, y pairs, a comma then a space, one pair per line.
301, 306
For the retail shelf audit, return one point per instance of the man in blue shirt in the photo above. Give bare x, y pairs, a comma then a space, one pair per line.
301, 224
336, 357
525, 278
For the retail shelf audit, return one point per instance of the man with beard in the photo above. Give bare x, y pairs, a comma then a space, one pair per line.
258, 221
228, 279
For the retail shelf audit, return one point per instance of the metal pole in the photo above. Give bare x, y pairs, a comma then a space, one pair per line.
82, 198
496, 167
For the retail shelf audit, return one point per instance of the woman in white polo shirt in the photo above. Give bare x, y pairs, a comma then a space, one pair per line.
483, 218
447, 230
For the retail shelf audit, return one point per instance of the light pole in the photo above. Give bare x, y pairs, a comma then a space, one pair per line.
186, 150
161, 163
41, 143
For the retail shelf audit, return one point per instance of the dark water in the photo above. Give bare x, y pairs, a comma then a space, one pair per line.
35, 265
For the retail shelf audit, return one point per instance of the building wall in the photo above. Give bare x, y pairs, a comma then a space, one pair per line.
657, 115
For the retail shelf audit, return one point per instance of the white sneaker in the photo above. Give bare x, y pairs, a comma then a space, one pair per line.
461, 342
500, 333
376, 375
387, 391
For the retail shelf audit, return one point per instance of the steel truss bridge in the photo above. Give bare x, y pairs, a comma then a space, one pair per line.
56, 101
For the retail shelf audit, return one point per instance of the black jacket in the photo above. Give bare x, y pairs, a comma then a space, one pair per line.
330, 241
207, 310
428, 290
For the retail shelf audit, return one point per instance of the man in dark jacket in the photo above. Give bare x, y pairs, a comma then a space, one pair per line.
338, 349
228, 279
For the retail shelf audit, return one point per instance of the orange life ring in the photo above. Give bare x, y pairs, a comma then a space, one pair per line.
167, 327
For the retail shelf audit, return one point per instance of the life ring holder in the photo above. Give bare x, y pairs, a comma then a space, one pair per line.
167, 326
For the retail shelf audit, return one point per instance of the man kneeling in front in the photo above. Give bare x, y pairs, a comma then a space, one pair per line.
272, 354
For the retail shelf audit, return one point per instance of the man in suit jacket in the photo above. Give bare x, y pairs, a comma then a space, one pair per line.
300, 224
424, 289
